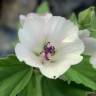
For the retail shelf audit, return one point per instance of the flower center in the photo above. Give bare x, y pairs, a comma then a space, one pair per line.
48, 51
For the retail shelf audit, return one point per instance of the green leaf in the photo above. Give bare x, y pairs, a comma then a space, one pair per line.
92, 27
9, 66
41, 86
43, 8
73, 18
82, 73
85, 17
25, 81
86, 20
22, 83
14, 76
60, 88
34, 86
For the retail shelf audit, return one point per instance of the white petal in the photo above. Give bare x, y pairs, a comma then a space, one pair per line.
76, 47
36, 43
31, 15
34, 26
90, 45
89, 42
38, 30
84, 33
24, 54
93, 61
54, 70
59, 29
67, 56
47, 17
22, 19
34, 36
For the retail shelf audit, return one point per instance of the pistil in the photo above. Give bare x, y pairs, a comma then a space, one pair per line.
48, 51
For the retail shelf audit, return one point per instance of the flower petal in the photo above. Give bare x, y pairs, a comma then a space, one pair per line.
68, 55
47, 17
39, 30
35, 43
24, 54
76, 47
33, 32
22, 19
89, 42
59, 29
32, 27
56, 69
93, 61
84, 33
90, 45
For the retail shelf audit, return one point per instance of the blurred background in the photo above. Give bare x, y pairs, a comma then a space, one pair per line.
11, 9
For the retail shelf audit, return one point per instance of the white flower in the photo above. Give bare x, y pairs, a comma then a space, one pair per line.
90, 46
49, 43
